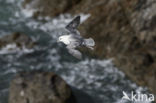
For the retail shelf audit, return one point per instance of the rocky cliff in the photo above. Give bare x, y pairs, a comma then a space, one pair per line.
122, 29
40, 87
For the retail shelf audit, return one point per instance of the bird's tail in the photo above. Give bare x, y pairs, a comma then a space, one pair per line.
89, 43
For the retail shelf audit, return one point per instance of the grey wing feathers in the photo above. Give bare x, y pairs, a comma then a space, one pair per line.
73, 44
74, 52
72, 26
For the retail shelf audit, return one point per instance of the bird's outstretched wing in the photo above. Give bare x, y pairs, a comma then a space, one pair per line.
74, 52
72, 26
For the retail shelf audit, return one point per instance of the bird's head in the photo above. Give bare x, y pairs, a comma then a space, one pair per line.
60, 39
64, 39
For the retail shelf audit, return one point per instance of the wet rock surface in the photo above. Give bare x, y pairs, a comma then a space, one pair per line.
19, 39
40, 87
49, 7
122, 29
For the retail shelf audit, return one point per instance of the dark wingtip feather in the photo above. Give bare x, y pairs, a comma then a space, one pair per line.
73, 24
77, 18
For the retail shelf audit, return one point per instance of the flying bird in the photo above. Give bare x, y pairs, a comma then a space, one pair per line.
73, 39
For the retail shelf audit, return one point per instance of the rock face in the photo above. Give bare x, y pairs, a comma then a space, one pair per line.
50, 7
39, 87
123, 30
19, 39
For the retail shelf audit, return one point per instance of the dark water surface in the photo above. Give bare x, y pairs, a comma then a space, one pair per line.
98, 78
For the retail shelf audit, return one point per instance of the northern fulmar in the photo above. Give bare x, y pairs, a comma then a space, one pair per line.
73, 39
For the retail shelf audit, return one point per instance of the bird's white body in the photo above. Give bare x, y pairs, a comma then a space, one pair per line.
66, 39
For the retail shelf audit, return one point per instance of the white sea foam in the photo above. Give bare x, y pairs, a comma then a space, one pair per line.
28, 12
13, 48
98, 75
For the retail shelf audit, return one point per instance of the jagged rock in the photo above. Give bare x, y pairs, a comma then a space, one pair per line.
39, 87
123, 30
19, 39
